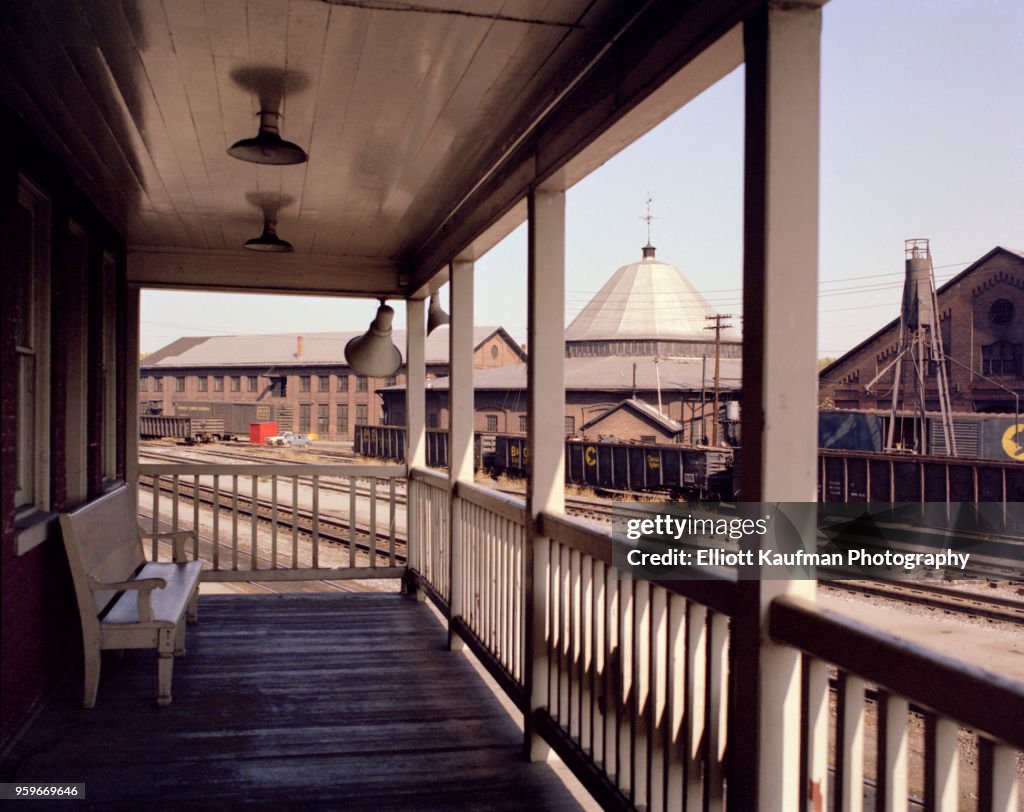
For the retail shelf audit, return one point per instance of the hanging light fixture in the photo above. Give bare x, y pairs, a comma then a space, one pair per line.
268, 240
373, 354
435, 315
268, 147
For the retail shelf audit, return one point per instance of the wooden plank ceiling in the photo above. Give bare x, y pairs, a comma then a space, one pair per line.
402, 108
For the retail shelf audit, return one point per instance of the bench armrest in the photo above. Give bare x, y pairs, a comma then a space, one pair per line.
144, 586
179, 541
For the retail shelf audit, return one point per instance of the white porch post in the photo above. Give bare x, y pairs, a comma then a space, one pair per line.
545, 490
131, 390
415, 419
779, 385
460, 431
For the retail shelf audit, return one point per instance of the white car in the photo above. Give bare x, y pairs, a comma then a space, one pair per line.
290, 439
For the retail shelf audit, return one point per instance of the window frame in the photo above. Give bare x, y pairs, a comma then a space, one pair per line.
33, 350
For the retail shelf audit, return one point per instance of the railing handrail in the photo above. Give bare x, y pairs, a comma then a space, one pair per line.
505, 505
435, 479
272, 469
989, 703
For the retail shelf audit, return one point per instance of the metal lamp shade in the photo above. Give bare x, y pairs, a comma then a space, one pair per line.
269, 241
435, 315
373, 354
268, 147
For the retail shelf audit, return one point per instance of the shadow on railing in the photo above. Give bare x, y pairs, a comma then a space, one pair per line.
282, 522
922, 701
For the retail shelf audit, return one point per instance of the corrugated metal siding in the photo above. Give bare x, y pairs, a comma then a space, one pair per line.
966, 432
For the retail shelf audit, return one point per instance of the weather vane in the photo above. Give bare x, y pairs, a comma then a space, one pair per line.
648, 217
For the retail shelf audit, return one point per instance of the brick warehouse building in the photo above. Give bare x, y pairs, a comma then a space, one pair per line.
981, 312
306, 372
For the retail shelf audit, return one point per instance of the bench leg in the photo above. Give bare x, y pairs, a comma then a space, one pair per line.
166, 666
179, 640
92, 675
193, 607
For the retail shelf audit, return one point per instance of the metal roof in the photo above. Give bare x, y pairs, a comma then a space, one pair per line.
642, 408
615, 374
282, 349
646, 299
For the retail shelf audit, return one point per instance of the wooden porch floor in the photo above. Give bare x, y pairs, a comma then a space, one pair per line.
347, 701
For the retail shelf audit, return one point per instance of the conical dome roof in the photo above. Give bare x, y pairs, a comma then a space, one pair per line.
648, 299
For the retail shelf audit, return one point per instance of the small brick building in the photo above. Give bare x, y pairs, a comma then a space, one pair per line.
981, 316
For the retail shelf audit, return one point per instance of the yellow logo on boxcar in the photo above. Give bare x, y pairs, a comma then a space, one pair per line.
590, 455
1012, 442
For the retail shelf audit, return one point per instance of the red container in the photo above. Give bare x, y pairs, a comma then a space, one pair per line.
259, 432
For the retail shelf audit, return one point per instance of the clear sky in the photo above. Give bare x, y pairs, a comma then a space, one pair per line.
922, 135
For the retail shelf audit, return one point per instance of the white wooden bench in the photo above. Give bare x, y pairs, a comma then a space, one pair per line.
125, 601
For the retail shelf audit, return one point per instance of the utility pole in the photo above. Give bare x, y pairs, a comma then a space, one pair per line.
717, 327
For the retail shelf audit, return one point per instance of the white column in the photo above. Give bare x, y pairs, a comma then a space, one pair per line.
415, 385
460, 431
131, 390
415, 427
779, 377
545, 490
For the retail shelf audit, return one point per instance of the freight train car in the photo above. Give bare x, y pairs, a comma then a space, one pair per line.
237, 417
388, 443
674, 470
190, 429
978, 435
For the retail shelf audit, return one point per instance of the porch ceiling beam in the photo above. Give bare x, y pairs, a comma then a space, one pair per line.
640, 68
250, 271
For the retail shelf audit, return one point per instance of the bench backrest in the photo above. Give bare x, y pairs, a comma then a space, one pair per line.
102, 541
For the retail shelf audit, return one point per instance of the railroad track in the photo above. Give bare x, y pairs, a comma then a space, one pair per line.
939, 596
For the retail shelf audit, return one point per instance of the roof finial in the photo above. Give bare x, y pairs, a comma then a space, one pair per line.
648, 250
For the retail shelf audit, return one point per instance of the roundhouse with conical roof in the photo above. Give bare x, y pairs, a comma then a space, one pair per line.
648, 308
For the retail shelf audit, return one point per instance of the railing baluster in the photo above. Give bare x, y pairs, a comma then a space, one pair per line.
254, 549
373, 522
717, 692
624, 771
641, 689
352, 521
316, 522
585, 669
216, 522
156, 514
234, 522
295, 522
818, 718
947, 765
1001, 784
273, 522
696, 676
657, 722
675, 778
195, 517
175, 525
850, 744
892, 758
392, 509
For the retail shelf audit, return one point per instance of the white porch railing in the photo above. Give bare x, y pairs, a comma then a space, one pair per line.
637, 692
282, 522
